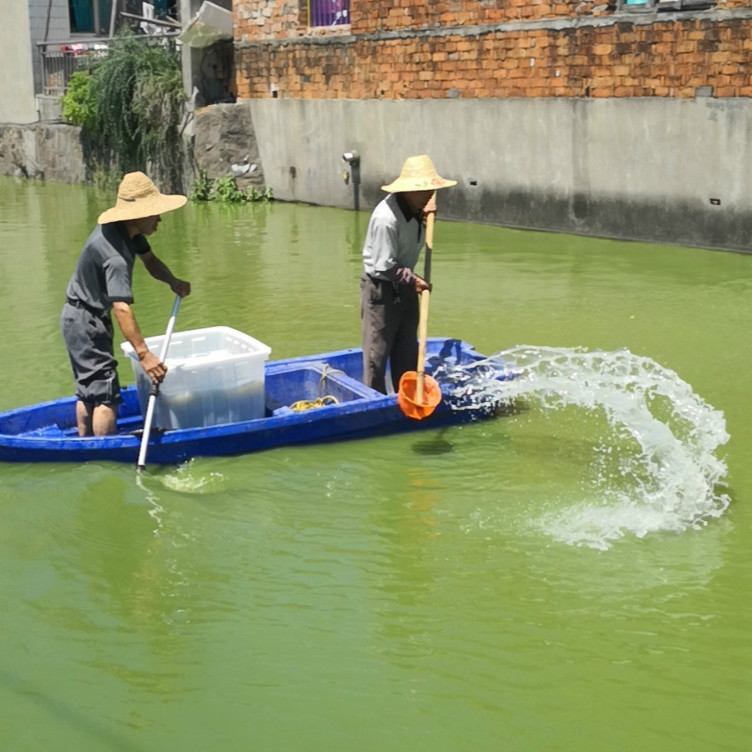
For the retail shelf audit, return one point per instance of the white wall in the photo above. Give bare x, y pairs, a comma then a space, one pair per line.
17, 103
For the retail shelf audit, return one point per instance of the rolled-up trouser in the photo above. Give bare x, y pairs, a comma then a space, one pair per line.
89, 340
390, 315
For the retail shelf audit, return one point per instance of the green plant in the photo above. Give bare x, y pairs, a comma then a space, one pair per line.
225, 189
78, 102
131, 108
202, 187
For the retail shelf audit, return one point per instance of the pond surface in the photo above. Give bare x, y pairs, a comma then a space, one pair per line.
572, 576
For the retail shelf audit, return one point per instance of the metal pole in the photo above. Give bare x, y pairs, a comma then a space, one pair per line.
97, 19
154, 391
356, 184
113, 17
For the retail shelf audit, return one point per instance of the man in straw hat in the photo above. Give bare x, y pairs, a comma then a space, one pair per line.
102, 283
389, 287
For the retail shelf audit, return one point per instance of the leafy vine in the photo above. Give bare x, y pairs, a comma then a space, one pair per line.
130, 105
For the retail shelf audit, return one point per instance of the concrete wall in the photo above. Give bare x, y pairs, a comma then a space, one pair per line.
657, 170
17, 81
23, 23
44, 151
665, 170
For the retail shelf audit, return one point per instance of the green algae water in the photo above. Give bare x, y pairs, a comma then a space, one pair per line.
570, 575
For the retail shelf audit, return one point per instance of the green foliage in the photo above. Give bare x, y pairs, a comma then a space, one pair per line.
132, 109
79, 105
225, 189
202, 187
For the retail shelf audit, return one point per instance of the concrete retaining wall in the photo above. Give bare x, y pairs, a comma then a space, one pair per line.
663, 170
657, 170
47, 151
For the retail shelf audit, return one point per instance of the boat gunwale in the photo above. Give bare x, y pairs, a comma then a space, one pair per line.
68, 447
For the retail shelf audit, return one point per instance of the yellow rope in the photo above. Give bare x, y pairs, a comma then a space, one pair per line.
322, 401
301, 405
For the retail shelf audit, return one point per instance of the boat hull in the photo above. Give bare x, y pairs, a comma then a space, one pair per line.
46, 432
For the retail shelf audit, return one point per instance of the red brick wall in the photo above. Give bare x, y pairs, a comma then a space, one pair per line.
668, 57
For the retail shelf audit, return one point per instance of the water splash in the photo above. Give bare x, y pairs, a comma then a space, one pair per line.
654, 466
189, 478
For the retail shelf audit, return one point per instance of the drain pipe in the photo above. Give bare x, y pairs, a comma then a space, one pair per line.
352, 158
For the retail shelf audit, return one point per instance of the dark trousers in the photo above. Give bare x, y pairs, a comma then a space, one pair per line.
88, 338
390, 316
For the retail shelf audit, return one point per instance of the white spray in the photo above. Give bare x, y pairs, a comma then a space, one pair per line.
658, 466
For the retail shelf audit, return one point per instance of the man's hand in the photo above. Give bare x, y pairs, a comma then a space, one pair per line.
180, 287
421, 285
155, 369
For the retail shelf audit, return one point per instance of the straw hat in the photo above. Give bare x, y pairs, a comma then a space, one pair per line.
138, 197
418, 174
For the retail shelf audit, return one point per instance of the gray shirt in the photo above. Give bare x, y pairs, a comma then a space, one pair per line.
104, 271
393, 241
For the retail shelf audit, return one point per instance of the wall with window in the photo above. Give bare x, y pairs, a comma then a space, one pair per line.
519, 48
260, 19
624, 119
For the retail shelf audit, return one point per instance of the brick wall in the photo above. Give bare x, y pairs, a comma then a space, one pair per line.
267, 19
412, 49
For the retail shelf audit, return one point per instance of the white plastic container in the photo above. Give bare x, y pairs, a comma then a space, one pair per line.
215, 376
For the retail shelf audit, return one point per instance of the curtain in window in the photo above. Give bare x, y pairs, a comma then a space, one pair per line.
81, 16
328, 12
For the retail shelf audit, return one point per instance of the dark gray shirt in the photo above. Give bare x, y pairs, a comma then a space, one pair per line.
104, 271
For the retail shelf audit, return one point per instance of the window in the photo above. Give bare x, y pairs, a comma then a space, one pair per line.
328, 12
89, 16
96, 16
639, 5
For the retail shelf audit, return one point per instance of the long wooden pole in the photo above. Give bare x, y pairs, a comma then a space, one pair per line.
423, 321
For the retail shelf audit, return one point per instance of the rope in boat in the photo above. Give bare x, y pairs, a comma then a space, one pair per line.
301, 405
322, 400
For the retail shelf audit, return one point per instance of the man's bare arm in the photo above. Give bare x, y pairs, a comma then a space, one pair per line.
160, 271
151, 364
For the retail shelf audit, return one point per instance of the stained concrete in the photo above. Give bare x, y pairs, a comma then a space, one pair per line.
662, 170
657, 170
45, 151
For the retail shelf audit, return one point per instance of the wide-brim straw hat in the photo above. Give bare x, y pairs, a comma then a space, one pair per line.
138, 197
418, 174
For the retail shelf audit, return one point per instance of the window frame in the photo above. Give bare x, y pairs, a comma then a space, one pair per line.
313, 13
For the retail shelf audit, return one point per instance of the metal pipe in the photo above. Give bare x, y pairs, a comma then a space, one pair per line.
353, 159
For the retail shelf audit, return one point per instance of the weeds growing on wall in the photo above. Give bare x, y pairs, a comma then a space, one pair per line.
130, 106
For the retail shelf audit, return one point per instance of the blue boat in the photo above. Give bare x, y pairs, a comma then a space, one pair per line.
337, 405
